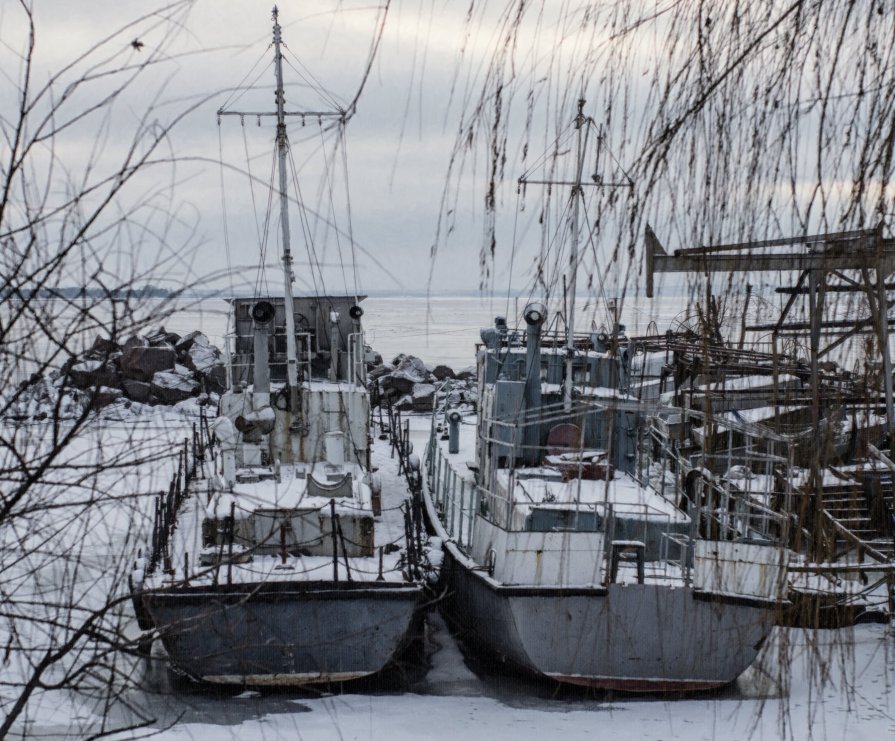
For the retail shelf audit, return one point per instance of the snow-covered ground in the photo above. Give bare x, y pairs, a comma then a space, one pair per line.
806, 684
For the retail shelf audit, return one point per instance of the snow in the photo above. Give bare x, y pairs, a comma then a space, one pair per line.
747, 383
458, 698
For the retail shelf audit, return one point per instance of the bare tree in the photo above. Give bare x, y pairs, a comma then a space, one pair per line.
88, 221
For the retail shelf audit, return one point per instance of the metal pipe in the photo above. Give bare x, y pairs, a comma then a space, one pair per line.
534, 315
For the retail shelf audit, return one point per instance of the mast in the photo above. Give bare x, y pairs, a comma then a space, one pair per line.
282, 141
573, 262
282, 149
582, 126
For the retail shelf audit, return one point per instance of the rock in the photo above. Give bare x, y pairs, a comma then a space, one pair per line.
171, 386
142, 363
378, 372
202, 357
395, 386
135, 341
137, 390
443, 372
423, 397
215, 380
205, 359
411, 368
102, 347
467, 374
187, 341
156, 335
103, 396
90, 373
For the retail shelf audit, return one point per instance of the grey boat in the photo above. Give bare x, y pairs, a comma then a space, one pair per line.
276, 564
573, 548
563, 554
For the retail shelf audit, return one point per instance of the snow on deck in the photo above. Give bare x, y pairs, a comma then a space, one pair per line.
543, 485
291, 491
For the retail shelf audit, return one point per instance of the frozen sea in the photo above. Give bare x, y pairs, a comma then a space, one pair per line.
805, 685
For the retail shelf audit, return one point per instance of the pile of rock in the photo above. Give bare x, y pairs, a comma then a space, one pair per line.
409, 384
158, 368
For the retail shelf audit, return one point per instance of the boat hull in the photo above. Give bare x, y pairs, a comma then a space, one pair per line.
627, 637
284, 634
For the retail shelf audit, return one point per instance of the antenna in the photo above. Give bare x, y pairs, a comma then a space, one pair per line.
582, 123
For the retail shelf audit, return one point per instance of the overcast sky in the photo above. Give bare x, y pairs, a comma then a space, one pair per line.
398, 144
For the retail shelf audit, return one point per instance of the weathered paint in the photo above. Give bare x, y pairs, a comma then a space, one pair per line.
637, 637
293, 633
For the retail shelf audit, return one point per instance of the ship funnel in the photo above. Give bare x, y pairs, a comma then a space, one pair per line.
534, 315
262, 315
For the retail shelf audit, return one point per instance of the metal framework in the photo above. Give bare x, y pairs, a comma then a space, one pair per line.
817, 258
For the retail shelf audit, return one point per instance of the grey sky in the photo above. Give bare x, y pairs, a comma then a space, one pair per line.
397, 143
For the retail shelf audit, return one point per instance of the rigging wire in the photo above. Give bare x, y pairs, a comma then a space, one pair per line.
224, 210
240, 89
332, 208
313, 83
305, 228
351, 241
261, 274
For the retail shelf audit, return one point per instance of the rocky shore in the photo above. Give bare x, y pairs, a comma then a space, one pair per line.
159, 368
164, 369
409, 384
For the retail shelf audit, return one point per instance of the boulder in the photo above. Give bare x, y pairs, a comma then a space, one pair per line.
135, 341
202, 357
137, 390
378, 372
205, 359
443, 372
90, 373
411, 368
142, 363
467, 374
187, 341
395, 386
102, 347
215, 379
156, 335
423, 397
105, 395
171, 386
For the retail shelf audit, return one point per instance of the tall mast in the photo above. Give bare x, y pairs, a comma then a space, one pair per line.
282, 149
573, 261
582, 126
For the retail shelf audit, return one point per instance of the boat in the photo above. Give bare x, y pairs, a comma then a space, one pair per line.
571, 551
272, 559
782, 421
